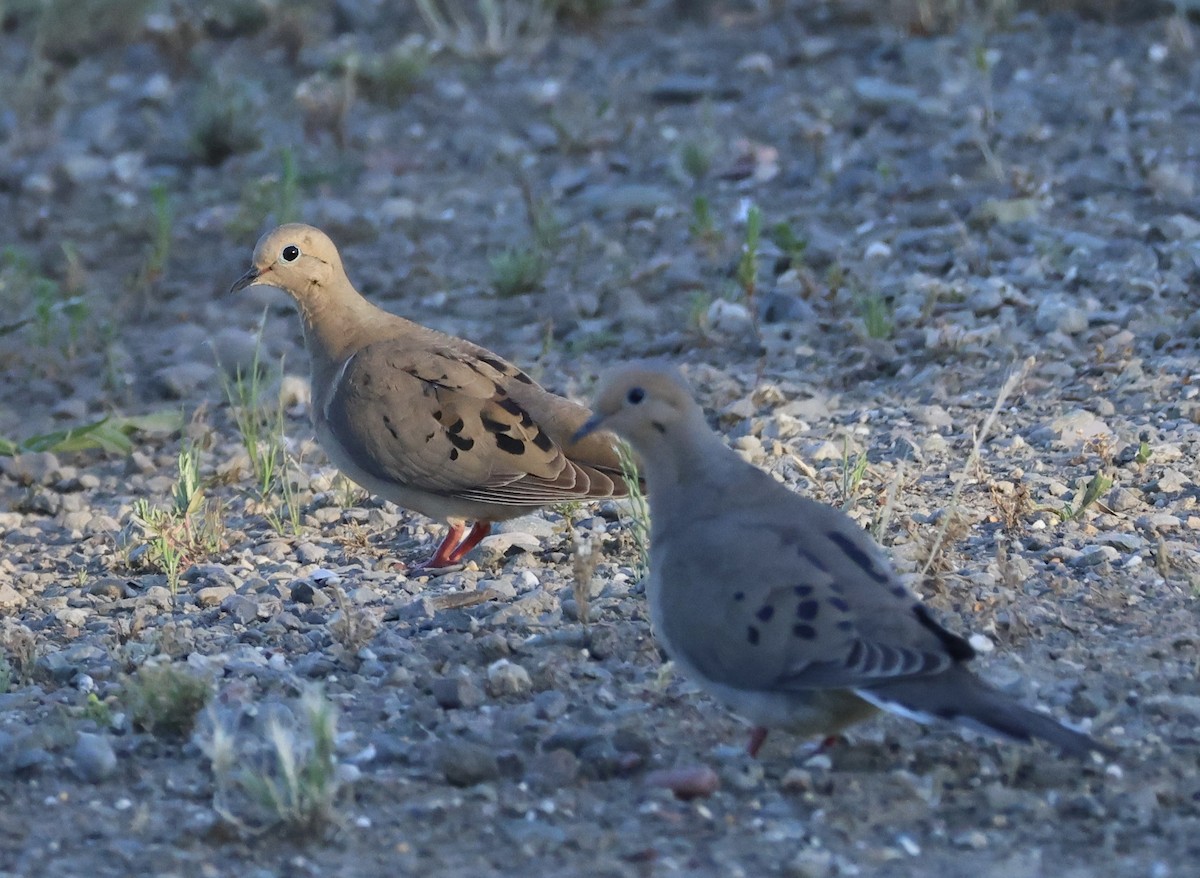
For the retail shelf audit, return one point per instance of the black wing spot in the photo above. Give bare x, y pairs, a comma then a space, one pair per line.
457, 426
752, 635
523, 378
498, 365
508, 444
454, 454
839, 604
958, 647
387, 422
845, 625
462, 443
739, 595
492, 426
514, 408
659, 427
812, 559
804, 632
429, 437
765, 612
856, 654
807, 610
542, 441
899, 591
803, 591
437, 416
857, 555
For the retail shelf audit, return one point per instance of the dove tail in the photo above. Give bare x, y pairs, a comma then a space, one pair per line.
958, 696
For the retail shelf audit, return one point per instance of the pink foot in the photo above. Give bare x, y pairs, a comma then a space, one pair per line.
454, 547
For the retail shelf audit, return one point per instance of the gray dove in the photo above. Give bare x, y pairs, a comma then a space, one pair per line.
781, 607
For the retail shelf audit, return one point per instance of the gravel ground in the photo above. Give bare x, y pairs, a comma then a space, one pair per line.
939, 213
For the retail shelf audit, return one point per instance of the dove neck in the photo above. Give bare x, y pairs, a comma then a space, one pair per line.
686, 460
334, 328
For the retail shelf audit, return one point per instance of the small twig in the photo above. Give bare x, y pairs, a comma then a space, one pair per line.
1010, 385
889, 502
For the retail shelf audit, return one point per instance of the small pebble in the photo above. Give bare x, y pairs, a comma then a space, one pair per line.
92, 758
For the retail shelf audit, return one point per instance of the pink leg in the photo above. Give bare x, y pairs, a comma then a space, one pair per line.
455, 546
816, 748
443, 557
478, 531
758, 735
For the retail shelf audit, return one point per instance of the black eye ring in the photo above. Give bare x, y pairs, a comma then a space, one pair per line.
290, 253
635, 395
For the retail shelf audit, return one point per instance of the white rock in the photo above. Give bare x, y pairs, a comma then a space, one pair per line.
506, 678
730, 318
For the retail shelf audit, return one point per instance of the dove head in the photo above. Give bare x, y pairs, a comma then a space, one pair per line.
649, 406
299, 260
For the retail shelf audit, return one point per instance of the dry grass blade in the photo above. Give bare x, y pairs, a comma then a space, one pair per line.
488, 28
1012, 383
639, 523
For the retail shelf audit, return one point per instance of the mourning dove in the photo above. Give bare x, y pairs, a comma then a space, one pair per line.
428, 421
781, 607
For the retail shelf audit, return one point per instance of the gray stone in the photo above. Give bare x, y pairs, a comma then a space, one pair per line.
85, 169
92, 758
1094, 555
465, 763
1057, 314
101, 524
1185, 707
526, 526
457, 691
209, 574
1157, 520
550, 704
883, 94
505, 678
501, 545
158, 596
1123, 499
234, 349
732, 319
309, 553
242, 608
1122, 542
10, 598
185, 379
214, 595
631, 199
552, 770
1073, 429
75, 617
685, 88
1172, 481
31, 468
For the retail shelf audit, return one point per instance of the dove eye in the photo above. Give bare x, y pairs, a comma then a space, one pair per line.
635, 395
290, 253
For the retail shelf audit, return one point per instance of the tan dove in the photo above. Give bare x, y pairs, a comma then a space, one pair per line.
428, 421
781, 607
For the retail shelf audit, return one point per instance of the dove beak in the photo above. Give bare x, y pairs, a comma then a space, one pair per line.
248, 279
589, 427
